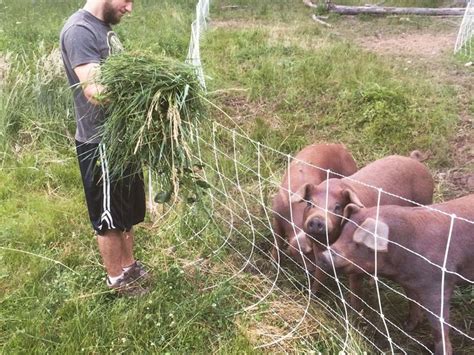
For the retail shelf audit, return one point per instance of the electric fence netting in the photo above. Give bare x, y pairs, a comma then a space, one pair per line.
240, 218
237, 234
465, 39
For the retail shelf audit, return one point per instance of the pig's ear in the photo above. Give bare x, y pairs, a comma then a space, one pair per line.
352, 197
301, 194
348, 210
365, 235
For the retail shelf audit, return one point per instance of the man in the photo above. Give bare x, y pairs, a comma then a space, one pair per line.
114, 206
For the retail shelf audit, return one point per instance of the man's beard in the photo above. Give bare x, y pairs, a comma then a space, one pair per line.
111, 16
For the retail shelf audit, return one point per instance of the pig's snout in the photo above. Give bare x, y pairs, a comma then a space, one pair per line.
316, 226
323, 260
300, 244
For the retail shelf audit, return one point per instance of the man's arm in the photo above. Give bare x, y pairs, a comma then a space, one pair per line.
87, 74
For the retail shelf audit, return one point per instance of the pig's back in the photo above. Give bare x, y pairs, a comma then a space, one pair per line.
399, 176
459, 239
310, 165
334, 157
462, 207
461, 248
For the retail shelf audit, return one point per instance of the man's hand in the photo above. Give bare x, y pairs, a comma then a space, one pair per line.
101, 98
94, 92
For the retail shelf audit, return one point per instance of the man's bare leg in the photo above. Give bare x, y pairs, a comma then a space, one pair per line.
110, 247
127, 249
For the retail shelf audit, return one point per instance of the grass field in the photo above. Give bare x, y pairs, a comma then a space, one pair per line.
282, 80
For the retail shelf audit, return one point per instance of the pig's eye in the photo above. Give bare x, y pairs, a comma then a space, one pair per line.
309, 204
337, 208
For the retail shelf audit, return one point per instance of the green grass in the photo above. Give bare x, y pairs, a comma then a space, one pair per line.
63, 305
465, 53
53, 297
283, 81
337, 92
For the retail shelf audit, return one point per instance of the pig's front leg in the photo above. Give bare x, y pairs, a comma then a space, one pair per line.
319, 276
415, 312
279, 241
431, 299
355, 285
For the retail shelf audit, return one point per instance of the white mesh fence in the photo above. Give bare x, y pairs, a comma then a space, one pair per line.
241, 189
242, 181
465, 39
197, 28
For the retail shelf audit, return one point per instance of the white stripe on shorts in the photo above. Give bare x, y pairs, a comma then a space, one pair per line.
106, 215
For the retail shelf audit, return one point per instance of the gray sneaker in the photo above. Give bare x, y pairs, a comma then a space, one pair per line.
137, 273
126, 286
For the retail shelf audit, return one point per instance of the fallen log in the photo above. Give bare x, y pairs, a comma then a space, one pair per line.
319, 20
382, 10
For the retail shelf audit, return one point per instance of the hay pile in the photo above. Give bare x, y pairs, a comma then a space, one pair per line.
153, 107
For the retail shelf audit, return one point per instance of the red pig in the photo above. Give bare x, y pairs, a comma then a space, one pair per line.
396, 175
406, 238
309, 166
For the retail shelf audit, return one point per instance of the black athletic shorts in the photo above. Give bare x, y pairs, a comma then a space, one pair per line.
116, 204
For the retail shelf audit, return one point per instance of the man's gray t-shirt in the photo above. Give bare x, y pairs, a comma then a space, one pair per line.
85, 39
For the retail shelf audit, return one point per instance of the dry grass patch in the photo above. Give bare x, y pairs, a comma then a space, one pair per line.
286, 35
283, 325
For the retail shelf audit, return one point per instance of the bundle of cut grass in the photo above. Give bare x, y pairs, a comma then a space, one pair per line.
154, 104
